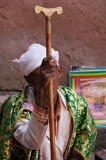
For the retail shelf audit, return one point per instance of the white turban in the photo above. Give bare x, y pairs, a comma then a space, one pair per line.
33, 57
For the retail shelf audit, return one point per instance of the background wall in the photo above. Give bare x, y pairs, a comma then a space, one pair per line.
79, 34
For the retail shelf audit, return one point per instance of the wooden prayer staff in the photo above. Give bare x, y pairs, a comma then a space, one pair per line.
48, 13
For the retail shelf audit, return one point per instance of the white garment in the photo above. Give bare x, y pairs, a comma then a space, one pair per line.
33, 135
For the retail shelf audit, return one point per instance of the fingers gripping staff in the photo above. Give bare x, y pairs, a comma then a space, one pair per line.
48, 13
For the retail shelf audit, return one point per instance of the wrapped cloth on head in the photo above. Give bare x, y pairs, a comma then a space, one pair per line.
33, 57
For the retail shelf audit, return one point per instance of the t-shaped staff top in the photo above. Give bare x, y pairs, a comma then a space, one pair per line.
48, 11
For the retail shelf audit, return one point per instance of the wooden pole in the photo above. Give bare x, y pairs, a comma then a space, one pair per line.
48, 12
51, 107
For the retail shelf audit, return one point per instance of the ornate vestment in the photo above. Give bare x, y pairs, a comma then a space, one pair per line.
83, 134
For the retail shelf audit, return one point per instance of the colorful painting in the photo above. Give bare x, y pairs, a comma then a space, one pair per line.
91, 84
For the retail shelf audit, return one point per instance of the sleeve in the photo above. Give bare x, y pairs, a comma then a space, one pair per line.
41, 115
30, 133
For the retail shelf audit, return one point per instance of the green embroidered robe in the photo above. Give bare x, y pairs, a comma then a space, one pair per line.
83, 134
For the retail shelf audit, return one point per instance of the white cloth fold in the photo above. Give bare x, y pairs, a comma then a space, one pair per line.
33, 57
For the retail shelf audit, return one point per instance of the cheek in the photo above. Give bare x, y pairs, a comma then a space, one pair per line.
35, 85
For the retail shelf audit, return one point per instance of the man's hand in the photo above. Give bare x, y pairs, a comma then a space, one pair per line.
47, 71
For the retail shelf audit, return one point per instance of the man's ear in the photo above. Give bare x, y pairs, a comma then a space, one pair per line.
60, 71
26, 78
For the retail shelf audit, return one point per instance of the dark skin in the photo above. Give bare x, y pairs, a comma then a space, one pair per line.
39, 79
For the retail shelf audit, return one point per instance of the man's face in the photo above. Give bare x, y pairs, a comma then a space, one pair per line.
34, 80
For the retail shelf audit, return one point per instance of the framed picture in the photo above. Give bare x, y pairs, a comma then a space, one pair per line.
91, 84
85, 68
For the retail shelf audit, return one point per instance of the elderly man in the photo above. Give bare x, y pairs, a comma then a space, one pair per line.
24, 129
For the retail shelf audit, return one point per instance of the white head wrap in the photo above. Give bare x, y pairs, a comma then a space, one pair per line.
33, 57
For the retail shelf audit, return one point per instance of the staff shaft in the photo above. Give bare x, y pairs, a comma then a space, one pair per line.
51, 107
